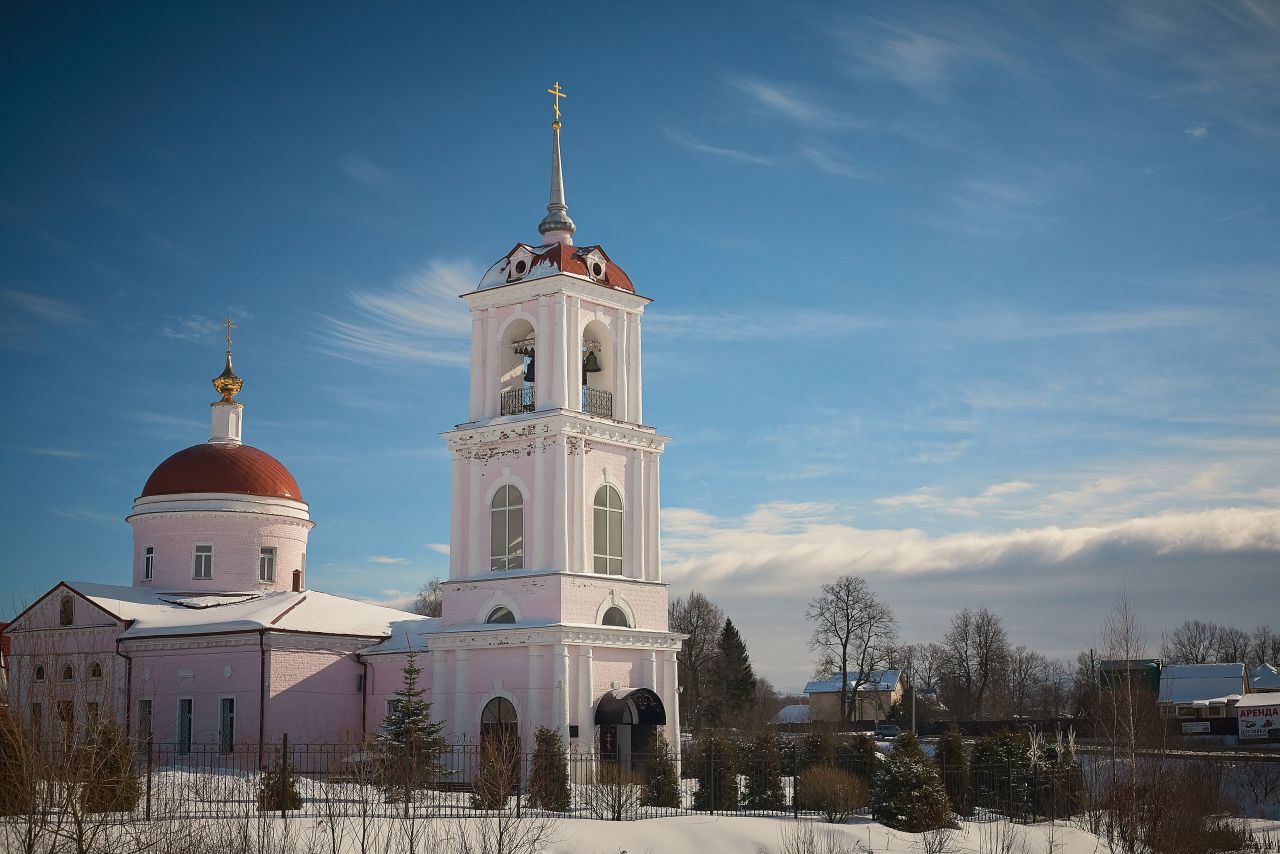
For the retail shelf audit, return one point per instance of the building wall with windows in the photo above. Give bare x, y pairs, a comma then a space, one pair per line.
237, 539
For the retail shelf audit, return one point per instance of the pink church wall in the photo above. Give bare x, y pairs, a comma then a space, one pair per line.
570, 598
201, 674
313, 693
236, 539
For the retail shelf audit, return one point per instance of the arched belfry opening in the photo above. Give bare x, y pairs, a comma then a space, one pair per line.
628, 721
598, 370
517, 368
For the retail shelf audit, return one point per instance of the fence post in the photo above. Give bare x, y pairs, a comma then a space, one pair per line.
150, 764
284, 774
519, 763
711, 776
795, 779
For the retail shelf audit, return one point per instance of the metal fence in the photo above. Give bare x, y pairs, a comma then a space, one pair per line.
328, 780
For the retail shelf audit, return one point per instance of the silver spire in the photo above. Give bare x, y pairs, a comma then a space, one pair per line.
557, 221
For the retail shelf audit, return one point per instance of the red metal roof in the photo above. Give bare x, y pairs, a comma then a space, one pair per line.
572, 259
239, 469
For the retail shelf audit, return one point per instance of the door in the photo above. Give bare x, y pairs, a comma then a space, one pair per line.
227, 725
184, 725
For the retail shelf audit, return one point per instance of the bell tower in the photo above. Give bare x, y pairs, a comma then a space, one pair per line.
555, 475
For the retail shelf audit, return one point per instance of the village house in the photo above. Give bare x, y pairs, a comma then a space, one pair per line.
872, 700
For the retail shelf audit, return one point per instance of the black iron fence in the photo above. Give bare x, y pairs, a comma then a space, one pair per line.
519, 399
597, 401
328, 780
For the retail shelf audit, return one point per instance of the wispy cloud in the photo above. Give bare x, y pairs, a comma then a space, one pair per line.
386, 559
787, 101
42, 308
686, 139
779, 324
66, 453
360, 169
191, 327
830, 163
418, 319
1196, 132
439, 548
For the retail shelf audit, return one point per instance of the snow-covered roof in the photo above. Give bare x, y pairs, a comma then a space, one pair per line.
1264, 677
797, 713
877, 680
1202, 684
1253, 701
151, 613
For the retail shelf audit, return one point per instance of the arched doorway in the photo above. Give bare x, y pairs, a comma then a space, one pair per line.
628, 721
499, 724
499, 759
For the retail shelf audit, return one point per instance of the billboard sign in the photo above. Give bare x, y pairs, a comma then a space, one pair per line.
1260, 722
1195, 728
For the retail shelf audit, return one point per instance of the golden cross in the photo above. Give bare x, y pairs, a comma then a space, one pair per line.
227, 323
557, 93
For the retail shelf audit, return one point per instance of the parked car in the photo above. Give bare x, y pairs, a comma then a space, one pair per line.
887, 731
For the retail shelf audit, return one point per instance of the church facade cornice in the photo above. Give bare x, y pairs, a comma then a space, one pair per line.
537, 431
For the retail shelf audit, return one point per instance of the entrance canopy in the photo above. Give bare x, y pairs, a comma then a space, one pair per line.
630, 706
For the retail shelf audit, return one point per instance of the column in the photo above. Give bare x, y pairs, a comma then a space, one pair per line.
577, 509
458, 506
492, 406
586, 696
536, 542
635, 514
438, 687
671, 700
463, 726
651, 672
653, 510
560, 522
537, 700
573, 354
556, 364
634, 387
542, 348
477, 368
620, 333
471, 559
560, 690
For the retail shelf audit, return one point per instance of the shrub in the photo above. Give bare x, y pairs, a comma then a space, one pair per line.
278, 789
17, 768
952, 759
661, 785
811, 749
857, 755
906, 793
497, 774
764, 775
111, 781
615, 794
835, 793
549, 772
717, 775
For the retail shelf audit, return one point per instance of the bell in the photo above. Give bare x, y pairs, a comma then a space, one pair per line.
528, 370
591, 365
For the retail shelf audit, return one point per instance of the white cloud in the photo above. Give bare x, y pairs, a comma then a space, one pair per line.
788, 102
684, 138
191, 327
43, 308
66, 453
386, 559
1199, 131
830, 163
439, 548
359, 169
420, 318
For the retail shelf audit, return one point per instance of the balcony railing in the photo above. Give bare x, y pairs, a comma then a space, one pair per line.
597, 401
519, 399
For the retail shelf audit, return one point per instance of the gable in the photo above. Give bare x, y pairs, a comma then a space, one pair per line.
45, 612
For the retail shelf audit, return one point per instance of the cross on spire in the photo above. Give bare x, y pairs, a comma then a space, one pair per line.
230, 325
556, 94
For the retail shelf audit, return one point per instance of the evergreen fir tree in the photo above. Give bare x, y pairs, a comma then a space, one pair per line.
278, 789
661, 786
733, 681
952, 759
764, 775
857, 755
717, 773
906, 792
411, 743
549, 772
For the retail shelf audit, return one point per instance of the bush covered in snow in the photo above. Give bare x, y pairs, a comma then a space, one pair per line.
278, 789
857, 755
906, 792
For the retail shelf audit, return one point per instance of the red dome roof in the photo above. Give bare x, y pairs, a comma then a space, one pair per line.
210, 467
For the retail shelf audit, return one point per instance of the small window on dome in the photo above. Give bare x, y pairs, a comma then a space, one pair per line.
267, 564
501, 614
202, 563
597, 270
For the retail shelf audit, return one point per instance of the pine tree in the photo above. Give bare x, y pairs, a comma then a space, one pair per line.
906, 792
411, 743
717, 775
952, 759
732, 679
661, 786
278, 789
549, 772
764, 775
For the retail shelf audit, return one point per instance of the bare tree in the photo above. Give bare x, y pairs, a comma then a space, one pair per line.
978, 650
1193, 642
430, 599
1233, 645
700, 619
1265, 647
852, 628
1026, 675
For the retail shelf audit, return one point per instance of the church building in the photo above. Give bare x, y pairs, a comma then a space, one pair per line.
554, 612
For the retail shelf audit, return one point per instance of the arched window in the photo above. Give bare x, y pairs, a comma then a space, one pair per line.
500, 736
506, 537
39, 672
615, 616
66, 610
67, 673
95, 670
500, 614
607, 531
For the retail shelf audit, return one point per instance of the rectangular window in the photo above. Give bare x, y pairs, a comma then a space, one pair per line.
203, 563
227, 725
66, 711
144, 720
393, 703
148, 563
184, 725
267, 564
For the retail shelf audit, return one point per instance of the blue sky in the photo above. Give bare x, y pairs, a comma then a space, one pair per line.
978, 301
